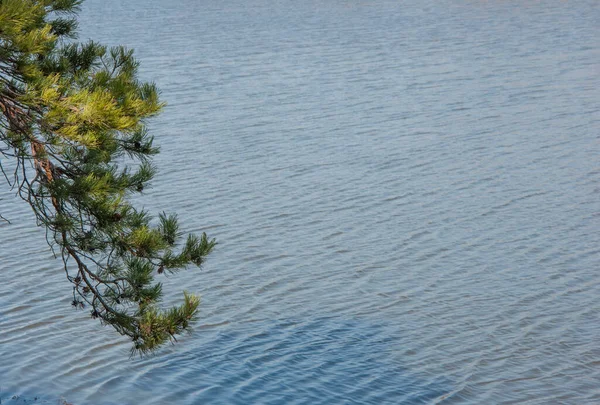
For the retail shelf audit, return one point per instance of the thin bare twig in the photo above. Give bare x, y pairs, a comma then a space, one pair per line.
4, 219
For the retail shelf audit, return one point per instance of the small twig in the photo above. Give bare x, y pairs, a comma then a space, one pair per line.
4, 219
5, 176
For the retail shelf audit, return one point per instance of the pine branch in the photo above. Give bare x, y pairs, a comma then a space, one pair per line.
67, 113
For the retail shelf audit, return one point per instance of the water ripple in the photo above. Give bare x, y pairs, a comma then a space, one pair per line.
405, 196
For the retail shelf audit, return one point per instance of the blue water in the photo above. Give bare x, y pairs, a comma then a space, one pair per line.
319, 361
406, 196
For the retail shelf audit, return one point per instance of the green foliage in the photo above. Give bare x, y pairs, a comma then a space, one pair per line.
69, 112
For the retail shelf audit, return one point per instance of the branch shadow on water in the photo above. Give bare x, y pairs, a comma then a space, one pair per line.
318, 361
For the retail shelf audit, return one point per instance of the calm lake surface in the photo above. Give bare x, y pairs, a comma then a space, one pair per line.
406, 196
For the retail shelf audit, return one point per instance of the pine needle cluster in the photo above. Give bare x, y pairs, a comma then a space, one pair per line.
70, 112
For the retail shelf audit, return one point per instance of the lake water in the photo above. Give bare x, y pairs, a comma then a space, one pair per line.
406, 196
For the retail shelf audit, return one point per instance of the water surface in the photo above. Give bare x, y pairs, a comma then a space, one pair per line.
406, 196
